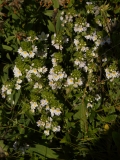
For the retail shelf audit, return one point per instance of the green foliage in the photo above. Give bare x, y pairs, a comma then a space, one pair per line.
60, 88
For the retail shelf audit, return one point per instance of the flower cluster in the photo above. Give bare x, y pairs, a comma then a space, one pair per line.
75, 82
17, 72
17, 85
35, 71
66, 18
82, 27
81, 64
57, 43
111, 74
48, 126
56, 77
29, 54
6, 90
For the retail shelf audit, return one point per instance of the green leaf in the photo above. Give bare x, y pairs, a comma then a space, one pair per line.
7, 47
51, 26
55, 3
21, 129
71, 3
81, 115
14, 16
4, 77
58, 23
48, 13
69, 115
8, 56
9, 38
17, 96
6, 67
66, 139
110, 118
30, 116
77, 115
44, 151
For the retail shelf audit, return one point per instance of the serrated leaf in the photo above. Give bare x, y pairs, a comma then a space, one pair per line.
44, 151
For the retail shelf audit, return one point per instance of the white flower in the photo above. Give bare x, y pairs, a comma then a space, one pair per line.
32, 110
34, 70
56, 129
52, 111
70, 81
79, 82
3, 95
76, 42
62, 12
44, 102
4, 88
104, 60
36, 85
61, 18
47, 125
82, 64
47, 108
17, 72
19, 81
40, 123
57, 112
34, 48
17, 86
89, 105
97, 98
9, 91
44, 69
46, 132
33, 105
23, 53
111, 74
31, 54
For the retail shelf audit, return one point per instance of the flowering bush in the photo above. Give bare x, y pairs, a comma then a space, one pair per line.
60, 79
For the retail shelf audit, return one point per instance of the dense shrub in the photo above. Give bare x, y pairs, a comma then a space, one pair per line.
59, 79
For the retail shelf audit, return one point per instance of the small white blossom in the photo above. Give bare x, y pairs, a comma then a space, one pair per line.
56, 129
40, 123
17, 72
70, 81
9, 91
46, 132
33, 104
17, 86
19, 81
47, 125
43, 102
